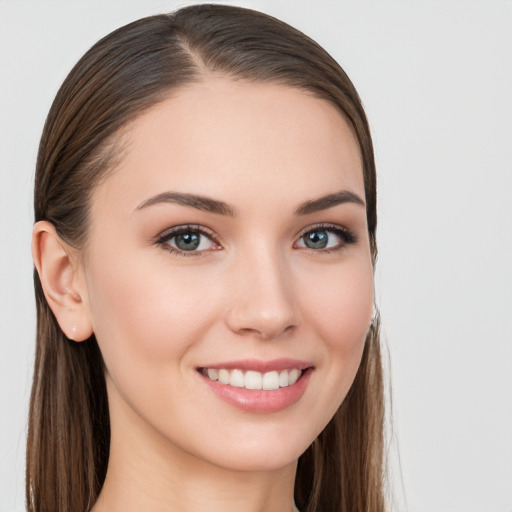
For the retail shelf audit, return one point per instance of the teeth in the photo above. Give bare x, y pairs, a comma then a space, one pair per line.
224, 376
252, 379
271, 380
293, 376
237, 379
213, 374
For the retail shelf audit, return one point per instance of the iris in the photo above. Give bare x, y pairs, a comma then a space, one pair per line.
316, 239
187, 241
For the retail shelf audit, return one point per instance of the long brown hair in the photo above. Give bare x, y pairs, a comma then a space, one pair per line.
124, 74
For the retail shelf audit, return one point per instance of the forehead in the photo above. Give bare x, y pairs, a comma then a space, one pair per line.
232, 139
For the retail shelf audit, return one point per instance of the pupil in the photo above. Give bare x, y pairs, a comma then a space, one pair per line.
187, 241
317, 239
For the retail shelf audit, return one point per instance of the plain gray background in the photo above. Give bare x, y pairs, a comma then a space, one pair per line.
436, 80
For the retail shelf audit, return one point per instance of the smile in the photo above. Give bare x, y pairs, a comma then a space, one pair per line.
258, 386
253, 380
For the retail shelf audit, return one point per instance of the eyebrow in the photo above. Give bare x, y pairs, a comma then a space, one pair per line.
210, 205
206, 204
328, 201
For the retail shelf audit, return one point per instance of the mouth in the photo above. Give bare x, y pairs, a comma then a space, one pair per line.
258, 387
252, 379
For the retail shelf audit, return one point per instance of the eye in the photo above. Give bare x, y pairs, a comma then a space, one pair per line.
187, 240
326, 238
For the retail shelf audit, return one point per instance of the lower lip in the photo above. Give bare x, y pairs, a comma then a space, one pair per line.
262, 401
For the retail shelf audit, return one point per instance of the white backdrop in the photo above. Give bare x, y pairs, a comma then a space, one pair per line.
436, 80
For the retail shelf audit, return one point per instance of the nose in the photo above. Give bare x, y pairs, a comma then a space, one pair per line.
262, 302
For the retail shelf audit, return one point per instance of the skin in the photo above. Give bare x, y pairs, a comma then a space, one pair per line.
255, 291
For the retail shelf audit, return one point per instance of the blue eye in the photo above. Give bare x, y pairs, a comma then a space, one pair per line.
317, 239
326, 238
186, 239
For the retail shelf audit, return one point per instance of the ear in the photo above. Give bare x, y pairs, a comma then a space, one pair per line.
62, 281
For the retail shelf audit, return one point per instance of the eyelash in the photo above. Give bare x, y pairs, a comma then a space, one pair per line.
347, 237
164, 238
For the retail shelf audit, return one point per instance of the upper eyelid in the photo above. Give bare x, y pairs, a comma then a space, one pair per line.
176, 230
348, 236
165, 236
326, 226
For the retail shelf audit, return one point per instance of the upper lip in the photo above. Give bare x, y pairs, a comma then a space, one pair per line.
260, 365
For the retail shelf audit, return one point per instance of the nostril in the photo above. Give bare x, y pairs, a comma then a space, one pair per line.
267, 332
278, 332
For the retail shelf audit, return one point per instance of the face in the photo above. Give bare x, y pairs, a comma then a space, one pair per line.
227, 253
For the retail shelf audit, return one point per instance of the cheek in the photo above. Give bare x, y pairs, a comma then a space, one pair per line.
339, 313
341, 309
145, 314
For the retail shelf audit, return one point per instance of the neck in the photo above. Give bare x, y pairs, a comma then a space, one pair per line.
147, 472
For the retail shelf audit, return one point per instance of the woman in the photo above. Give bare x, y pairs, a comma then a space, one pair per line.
204, 249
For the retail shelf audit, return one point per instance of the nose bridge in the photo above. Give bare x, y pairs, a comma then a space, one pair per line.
263, 302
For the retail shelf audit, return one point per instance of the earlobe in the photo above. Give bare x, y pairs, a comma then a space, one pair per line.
62, 283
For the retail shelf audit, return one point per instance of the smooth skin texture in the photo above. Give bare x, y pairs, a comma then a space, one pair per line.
252, 289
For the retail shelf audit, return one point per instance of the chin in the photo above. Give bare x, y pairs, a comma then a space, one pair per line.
262, 453
260, 460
